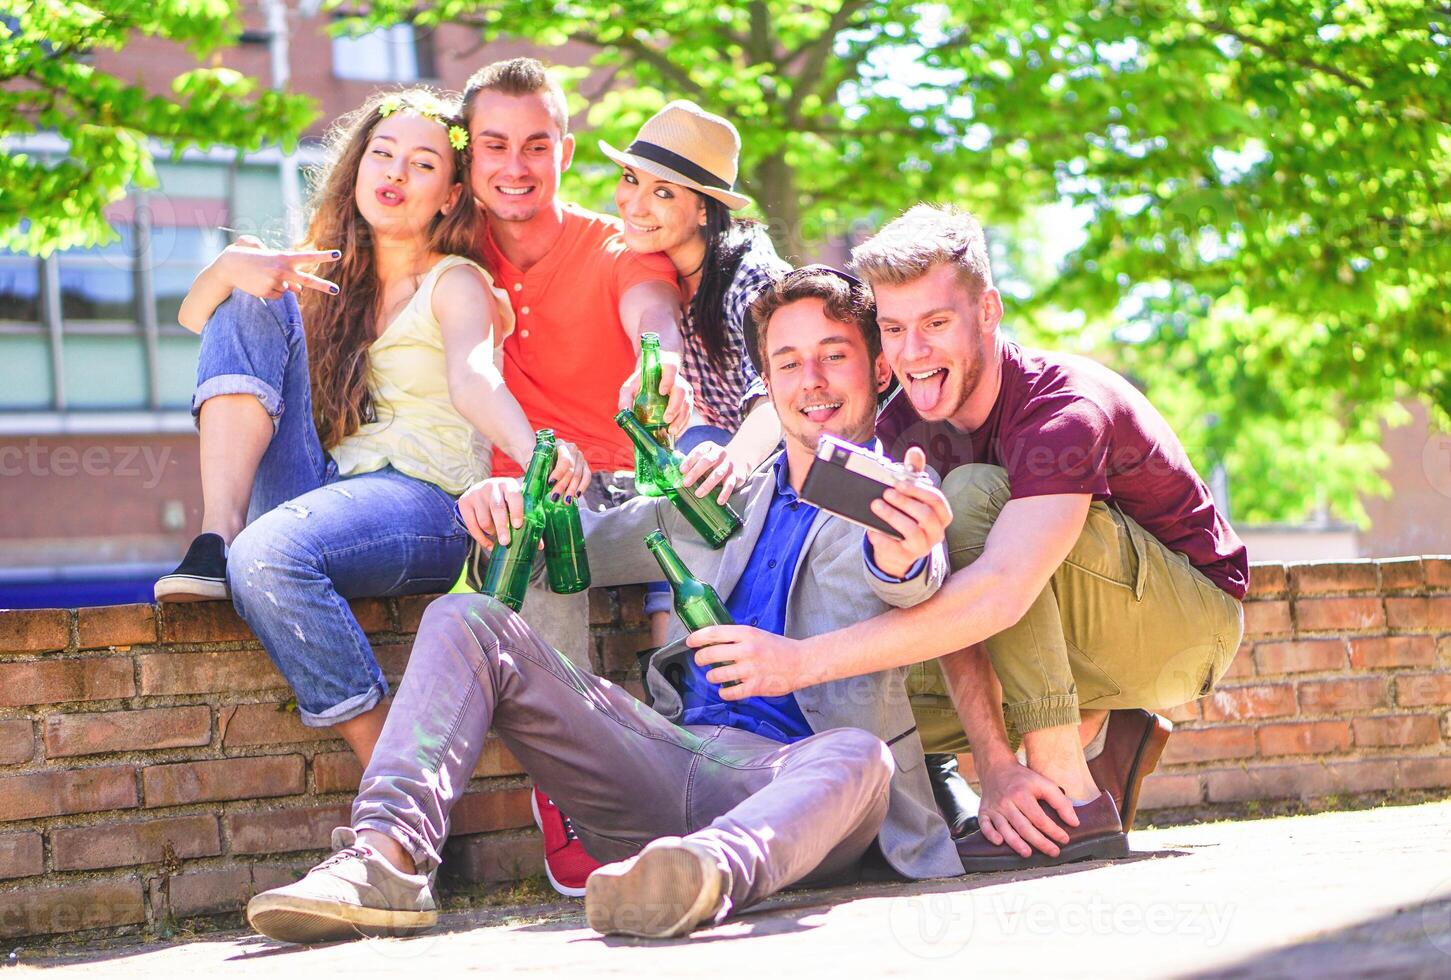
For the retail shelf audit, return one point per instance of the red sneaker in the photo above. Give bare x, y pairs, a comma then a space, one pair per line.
565, 860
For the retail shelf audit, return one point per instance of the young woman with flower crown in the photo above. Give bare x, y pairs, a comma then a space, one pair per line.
341, 417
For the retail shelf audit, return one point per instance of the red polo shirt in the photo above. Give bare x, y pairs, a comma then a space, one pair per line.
569, 353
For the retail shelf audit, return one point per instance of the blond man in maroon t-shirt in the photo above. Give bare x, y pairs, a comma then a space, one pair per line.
1094, 582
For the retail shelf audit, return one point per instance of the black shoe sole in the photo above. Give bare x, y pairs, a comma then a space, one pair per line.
1096, 849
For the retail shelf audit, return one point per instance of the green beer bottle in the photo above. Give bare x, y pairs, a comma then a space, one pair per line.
714, 521
649, 408
507, 576
565, 560
696, 603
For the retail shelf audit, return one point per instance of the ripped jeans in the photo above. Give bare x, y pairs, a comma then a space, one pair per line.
314, 540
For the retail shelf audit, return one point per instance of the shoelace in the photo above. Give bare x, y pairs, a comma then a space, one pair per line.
569, 834
346, 854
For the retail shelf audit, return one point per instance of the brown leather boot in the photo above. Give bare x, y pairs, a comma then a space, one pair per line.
1131, 749
1098, 835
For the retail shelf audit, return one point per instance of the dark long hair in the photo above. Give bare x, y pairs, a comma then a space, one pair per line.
727, 240
340, 328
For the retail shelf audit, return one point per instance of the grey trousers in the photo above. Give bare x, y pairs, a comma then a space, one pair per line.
774, 815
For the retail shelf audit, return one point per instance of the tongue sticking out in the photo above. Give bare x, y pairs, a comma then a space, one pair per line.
820, 415
927, 391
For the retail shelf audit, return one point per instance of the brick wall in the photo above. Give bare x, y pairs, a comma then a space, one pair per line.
1341, 687
149, 768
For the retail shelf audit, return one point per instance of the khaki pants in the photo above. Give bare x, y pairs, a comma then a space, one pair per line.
1123, 623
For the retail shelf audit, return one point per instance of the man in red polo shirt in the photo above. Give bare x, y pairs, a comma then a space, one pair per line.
581, 300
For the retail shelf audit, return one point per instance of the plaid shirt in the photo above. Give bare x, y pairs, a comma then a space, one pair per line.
720, 394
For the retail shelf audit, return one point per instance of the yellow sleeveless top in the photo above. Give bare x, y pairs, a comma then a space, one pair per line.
418, 431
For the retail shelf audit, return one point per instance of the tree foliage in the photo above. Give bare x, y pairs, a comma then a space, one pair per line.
1259, 229
47, 84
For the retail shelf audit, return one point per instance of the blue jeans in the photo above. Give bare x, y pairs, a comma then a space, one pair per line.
657, 594
314, 540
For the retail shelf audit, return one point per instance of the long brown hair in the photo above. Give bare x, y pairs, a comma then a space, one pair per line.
340, 328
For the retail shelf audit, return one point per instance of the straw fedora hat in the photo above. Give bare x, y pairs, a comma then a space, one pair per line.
686, 145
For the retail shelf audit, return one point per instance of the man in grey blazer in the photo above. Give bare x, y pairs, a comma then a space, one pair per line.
705, 803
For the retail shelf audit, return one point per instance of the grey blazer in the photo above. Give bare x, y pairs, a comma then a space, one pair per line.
831, 588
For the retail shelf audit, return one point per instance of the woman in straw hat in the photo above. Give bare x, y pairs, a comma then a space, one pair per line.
675, 195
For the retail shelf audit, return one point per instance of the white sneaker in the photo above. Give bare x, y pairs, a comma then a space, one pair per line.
353, 892
670, 888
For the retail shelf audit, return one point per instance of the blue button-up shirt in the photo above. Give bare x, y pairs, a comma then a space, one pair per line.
759, 599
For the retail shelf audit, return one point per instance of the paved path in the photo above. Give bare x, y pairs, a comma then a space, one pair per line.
1337, 894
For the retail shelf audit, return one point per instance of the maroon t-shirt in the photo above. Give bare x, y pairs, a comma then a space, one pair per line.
1066, 424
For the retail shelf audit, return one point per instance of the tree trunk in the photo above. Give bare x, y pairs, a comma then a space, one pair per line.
781, 206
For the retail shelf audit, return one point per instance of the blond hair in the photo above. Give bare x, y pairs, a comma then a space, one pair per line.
926, 235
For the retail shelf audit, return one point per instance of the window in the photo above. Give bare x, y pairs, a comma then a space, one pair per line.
400, 53
19, 289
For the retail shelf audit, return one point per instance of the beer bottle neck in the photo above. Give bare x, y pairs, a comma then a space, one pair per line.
675, 571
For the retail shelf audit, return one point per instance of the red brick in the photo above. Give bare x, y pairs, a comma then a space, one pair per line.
53, 681
52, 908
1299, 656
410, 611
1438, 572
1163, 790
1254, 701
1242, 666
116, 626
1402, 575
1339, 696
1210, 744
493, 858
202, 892
265, 724
496, 760
17, 741
222, 779
1416, 690
373, 615
631, 600
210, 672
1266, 618
1319, 578
282, 831
500, 809
49, 794
1306, 780
1184, 712
1341, 613
336, 772
1419, 613
1266, 580
601, 608
1377, 652
202, 622
618, 651
1432, 772
393, 659
1397, 730
21, 855
116, 845
1304, 738
34, 630
122, 731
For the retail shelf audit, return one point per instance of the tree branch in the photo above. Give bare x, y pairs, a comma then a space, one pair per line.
817, 51
1274, 50
668, 69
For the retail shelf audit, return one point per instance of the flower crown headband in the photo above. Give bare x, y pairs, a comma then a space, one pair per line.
431, 109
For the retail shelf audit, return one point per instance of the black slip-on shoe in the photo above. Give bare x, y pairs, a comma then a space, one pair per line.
201, 576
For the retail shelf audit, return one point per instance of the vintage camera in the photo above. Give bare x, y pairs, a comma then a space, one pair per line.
845, 478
